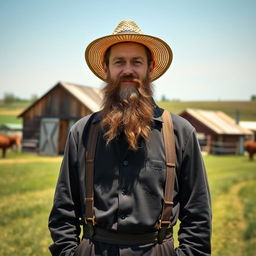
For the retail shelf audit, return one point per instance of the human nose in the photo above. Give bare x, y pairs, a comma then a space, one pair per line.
127, 70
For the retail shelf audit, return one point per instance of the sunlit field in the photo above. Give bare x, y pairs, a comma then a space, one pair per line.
27, 185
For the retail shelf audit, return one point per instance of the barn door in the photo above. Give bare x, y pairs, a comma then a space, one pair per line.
49, 134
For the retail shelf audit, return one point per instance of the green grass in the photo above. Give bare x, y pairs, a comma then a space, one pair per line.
227, 176
225, 171
26, 192
9, 119
248, 195
9, 112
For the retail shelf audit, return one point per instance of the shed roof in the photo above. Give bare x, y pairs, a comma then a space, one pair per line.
88, 96
251, 125
218, 121
11, 126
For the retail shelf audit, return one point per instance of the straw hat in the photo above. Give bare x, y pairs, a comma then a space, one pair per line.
128, 31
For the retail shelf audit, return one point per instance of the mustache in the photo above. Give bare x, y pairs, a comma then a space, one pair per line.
131, 77
128, 77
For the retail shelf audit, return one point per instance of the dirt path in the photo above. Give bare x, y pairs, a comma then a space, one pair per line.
229, 223
30, 160
10, 112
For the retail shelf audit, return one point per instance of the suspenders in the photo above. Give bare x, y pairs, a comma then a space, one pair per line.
169, 143
89, 172
170, 157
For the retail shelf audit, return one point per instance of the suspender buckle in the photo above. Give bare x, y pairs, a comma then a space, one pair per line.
90, 221
89, 224
162, 226
171, 165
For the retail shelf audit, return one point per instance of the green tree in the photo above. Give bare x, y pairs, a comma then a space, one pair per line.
164, 98
9, 98
253, 98
33, 98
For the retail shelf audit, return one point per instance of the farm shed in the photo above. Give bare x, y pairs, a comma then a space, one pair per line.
47, 121
217, 132
11, 129
250, 125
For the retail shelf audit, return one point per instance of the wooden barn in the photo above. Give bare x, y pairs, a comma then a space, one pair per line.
47, 121
217, 132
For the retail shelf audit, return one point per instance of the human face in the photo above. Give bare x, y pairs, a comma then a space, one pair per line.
128, 60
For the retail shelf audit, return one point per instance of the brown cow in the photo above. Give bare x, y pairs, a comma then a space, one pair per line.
250, 147
8, 142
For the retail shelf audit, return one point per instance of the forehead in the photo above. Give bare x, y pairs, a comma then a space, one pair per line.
128, 49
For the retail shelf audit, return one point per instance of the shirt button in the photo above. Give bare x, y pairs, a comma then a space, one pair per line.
125, 163
122, 217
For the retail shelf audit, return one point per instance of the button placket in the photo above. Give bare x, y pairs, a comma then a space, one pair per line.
124, 201
125, 163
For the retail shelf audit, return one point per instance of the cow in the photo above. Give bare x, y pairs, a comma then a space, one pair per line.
7, 141
250, 147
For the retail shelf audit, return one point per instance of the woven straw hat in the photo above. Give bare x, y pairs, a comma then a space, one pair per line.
128, 31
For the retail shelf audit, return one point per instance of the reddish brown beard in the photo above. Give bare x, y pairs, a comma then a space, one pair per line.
132, 115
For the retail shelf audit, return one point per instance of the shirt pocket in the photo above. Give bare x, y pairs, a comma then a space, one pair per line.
155, 166
152, 177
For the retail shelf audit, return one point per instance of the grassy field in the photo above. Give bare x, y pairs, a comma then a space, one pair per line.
27, 185
232, 181
26, 191
9, 112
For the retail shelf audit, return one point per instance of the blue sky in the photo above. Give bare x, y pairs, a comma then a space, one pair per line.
213, 42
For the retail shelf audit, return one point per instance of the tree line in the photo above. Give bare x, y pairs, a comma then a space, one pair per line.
9, 98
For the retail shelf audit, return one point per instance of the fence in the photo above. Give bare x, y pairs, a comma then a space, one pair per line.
220, 148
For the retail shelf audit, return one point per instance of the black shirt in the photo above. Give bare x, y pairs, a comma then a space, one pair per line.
129, 187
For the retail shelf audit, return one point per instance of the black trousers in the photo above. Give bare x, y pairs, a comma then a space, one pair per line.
94, 248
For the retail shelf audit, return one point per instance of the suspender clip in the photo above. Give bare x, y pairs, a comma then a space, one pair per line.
162, 226
90, 221
89, 224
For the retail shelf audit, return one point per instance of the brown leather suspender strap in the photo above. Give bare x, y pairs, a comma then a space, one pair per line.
170, 155
89, 173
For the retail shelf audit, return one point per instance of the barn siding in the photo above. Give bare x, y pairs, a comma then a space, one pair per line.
58, 103
216, 143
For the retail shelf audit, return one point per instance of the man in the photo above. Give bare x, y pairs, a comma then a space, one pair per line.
129, 171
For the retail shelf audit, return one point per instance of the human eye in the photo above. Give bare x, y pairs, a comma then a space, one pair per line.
137, 62
118, 62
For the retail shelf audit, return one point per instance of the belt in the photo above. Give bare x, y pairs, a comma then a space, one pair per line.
118, 238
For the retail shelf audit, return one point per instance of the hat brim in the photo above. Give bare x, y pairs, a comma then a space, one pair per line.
161, 52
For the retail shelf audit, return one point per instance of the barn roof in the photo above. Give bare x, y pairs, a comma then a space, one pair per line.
218, 121
88, 96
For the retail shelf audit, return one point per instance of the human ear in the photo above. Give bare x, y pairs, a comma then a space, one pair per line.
105, 67
151, 66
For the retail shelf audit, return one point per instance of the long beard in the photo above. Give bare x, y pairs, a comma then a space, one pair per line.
127, 109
